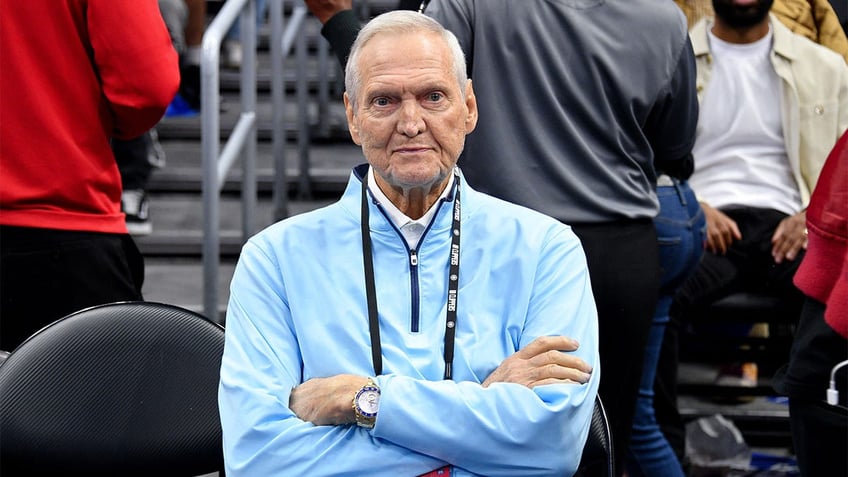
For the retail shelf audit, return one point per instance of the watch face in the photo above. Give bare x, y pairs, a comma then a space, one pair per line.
368, 401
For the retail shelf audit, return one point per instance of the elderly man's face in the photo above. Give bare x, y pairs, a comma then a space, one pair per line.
411, 117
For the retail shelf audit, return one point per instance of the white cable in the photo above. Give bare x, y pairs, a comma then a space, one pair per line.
832, 393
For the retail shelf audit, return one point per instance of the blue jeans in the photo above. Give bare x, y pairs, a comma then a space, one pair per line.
681, 233
235, 30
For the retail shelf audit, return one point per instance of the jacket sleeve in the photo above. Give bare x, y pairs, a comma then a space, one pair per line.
340, 32
137, 64
674, 117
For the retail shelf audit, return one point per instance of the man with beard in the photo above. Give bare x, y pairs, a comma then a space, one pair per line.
772, 105
815, 19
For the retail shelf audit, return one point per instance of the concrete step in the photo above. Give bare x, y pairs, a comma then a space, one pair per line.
329, 124
329, 165
179, 281
173, 252
761, 416
178, 223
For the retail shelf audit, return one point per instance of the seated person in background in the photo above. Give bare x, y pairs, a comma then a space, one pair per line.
468, 340
814, 19
772, 105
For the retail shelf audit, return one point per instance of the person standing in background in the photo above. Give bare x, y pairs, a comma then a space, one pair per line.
681, 233
73, 75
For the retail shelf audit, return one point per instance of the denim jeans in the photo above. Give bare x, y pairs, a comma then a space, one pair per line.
235, 30
681, 234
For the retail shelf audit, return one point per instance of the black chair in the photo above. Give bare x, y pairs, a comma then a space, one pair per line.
705, 340
597, 459
121, 389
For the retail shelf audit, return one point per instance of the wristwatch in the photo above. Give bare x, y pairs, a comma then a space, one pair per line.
366, 402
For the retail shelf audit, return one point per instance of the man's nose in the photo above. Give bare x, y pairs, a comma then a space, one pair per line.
410, 119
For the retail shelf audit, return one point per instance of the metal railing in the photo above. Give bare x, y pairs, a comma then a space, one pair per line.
283, 37
241, 142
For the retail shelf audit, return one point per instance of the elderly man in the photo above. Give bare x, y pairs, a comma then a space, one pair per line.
395, 332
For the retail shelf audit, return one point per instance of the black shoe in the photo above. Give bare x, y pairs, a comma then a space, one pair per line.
190, 85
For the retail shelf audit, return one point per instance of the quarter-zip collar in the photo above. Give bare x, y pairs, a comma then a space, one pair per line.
412, 230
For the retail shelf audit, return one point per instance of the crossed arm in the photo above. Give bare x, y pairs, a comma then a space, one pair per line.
327, 401
284, 417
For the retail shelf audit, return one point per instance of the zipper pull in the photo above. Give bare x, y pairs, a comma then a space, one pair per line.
413, 258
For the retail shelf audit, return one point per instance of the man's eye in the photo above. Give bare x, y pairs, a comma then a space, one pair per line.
381, 102
435, 97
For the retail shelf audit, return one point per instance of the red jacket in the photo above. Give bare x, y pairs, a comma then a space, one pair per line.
823, 274
73, 74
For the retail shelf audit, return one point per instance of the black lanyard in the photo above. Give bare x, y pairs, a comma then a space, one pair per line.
370, 288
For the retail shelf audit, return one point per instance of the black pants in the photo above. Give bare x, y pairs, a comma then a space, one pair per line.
819, 430
820, 437
623, 259
747, 266
46, 274
131, 156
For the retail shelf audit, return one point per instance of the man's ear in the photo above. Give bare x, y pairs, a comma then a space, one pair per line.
351, 120
471, 106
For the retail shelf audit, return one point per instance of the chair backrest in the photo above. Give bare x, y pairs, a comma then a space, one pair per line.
120, 389
597, 460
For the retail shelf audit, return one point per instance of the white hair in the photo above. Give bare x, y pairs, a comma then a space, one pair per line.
399, 22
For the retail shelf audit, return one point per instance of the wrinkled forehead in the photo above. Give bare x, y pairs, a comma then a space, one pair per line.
406, 58
408, 47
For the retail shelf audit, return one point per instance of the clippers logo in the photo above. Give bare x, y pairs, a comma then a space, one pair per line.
454, 254
452, 300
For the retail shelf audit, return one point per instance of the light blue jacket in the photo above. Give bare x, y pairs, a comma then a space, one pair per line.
297, 311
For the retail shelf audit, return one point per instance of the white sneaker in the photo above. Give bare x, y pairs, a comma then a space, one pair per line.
136, 209
155, 153
232, 54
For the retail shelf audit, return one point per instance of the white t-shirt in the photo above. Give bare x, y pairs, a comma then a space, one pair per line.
740, 155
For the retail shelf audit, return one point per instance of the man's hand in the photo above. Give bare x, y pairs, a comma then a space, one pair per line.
327, 401
789, 237
722, 231
325, 9
542, 362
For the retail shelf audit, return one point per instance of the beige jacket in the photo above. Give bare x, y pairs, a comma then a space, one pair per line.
814, 97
